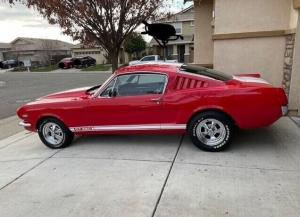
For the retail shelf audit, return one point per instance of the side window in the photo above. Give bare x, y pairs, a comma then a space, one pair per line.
148, 58
140, 84
109, 88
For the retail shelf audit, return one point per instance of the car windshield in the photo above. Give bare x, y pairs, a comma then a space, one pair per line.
206, 72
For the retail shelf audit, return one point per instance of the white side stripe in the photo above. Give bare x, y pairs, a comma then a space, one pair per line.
129, 127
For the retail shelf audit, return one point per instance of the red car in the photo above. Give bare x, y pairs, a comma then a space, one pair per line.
66, 63
161, 99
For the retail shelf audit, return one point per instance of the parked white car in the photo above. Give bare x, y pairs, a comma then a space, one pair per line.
151, 58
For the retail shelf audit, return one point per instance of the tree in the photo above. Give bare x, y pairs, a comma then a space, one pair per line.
134, 43
106, 22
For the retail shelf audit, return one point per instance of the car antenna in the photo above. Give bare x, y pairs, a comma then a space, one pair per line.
162, 33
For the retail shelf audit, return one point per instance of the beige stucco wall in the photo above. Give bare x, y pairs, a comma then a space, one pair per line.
264, 55
294, 98
187, 29
203, 44
296, 4
233, 16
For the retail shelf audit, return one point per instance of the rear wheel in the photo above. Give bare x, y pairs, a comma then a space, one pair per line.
54, 134
211, 131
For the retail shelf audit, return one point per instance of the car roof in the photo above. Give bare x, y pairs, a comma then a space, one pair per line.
150, 67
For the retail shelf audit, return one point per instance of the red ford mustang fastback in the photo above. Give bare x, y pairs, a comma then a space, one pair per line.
162, 99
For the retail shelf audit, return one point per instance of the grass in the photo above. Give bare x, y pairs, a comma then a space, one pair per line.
99, 67
44, 68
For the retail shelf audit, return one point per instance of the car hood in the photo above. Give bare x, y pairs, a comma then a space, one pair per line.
72, 93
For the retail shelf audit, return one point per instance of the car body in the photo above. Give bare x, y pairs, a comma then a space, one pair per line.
162, 99
150, 59
7, 64
84, 62
66, 63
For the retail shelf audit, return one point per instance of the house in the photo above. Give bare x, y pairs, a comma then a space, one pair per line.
3, 47
241, 36
182, 50
97, 53
38, 51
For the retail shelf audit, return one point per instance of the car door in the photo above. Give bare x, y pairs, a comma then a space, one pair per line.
129, 102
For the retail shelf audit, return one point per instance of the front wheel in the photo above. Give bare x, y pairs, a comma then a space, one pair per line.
54, 134
211, 131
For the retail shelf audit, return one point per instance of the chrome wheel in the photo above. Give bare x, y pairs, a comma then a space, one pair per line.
53, 134
211, 132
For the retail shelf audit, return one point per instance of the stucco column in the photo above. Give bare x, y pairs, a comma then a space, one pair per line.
175, 52
186, 53
203, 43
294, 97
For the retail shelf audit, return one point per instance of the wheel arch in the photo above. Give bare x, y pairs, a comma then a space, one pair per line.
218, 110
44, 117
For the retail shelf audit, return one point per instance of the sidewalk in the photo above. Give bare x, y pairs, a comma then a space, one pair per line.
153, 176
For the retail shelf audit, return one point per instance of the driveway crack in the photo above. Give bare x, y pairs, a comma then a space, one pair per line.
27, 171
167, 177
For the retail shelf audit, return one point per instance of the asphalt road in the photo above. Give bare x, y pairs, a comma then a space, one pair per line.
18, 88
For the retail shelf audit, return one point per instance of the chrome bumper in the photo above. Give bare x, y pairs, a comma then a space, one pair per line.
24, 124
284, 110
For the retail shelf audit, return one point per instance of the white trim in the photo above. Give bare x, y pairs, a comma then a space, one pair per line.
129, 127
179, 20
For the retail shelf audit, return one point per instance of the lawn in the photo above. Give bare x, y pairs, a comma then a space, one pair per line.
44, 68
99, 67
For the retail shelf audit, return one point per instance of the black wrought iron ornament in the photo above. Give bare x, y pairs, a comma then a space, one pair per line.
162, 33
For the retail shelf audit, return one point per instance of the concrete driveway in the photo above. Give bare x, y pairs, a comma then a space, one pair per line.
153, 176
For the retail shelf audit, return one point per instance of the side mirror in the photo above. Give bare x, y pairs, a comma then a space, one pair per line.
112, 93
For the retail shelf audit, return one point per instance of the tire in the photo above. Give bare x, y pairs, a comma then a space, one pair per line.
61, 65
54, 134
211, 131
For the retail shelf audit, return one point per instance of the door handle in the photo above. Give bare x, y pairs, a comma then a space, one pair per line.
156, 100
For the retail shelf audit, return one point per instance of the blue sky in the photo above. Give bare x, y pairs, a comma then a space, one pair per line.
19, 21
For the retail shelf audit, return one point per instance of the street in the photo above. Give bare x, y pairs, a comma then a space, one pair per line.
157, 176
18, 88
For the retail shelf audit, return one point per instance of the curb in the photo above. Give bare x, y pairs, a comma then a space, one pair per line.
9, 126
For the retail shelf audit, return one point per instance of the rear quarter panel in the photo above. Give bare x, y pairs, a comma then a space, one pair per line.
249, 107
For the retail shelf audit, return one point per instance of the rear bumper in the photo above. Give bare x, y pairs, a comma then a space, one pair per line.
284, 110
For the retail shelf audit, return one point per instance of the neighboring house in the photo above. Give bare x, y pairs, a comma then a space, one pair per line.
3, 47
182, 50
97, 53
241, 36
38, 51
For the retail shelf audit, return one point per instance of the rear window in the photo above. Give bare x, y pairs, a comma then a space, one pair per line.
206, 72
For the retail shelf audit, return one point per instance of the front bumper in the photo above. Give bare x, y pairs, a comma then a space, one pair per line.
284, 110
24, 124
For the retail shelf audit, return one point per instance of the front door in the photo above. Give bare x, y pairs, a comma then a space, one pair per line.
181, 50
129, 102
